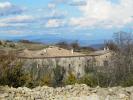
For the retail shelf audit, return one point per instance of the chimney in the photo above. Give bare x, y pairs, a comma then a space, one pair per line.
104, 49
107, 49
72, 51
45, 50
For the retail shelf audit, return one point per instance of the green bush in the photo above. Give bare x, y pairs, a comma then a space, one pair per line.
89, 80
29, 82
71, 79
128, 81
12, 45
58, 75
47, 80
11, 71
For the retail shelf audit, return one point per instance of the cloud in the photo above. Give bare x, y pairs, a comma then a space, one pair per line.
71, 2
60, 1
13, 32
15, 21
51, 15
57, 14
77, 3
5, 5
54, 23
6, 8
51, 5
104, 13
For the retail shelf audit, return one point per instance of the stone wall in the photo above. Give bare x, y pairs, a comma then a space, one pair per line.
70, 92
76, 65
40, 67
100, 60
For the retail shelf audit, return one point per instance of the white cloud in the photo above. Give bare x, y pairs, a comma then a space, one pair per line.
19, 20
3, 24
104, 13
7, 8
77, 2
51, 5
54, 23
14, 32
5, 5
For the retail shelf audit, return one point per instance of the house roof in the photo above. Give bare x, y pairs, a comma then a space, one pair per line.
49, 52
56, 52
100, 52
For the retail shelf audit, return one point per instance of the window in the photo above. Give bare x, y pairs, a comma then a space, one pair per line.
69, 66
88, 61
105, 63
70, 69
42, 54
78, 75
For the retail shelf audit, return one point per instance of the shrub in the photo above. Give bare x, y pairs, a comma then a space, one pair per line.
12, 45
29, 82
128, 81
1, 42
71, 79
47, 80
58, 75
11, 71
89, 80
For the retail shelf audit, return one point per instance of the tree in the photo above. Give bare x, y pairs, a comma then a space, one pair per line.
58, 75
11, 72
122, 61
111, 45
75, 45
119, 70
63, 44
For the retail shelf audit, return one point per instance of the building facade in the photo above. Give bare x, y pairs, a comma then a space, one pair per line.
43, 61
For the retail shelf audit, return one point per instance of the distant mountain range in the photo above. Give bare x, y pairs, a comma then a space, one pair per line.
52, 39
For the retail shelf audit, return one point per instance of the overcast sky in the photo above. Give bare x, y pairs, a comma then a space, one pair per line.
89, 19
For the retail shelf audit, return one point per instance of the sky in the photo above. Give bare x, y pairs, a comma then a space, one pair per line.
88, 21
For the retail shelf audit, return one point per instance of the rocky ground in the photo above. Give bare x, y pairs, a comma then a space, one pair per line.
70, 92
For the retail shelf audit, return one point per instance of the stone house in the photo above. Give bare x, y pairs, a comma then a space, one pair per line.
101, 57
42, 61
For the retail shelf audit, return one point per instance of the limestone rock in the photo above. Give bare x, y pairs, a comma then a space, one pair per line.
70, 92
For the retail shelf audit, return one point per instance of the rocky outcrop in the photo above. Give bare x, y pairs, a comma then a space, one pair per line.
70, 92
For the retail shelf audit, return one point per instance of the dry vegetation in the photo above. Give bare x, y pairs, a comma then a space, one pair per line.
119, 71
22, 44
